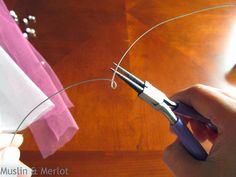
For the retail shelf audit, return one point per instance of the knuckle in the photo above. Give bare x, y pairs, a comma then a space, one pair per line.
197, 88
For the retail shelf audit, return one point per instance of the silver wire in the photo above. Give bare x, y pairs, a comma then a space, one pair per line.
58, 92
112, 80
113, 85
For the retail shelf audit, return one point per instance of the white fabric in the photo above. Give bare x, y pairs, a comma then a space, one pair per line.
18, 96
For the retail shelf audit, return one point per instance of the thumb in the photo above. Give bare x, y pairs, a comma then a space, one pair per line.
179, 161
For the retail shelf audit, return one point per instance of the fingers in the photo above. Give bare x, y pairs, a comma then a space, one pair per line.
210, 103
10, 154
215, 105
231, 95
26, 168
199, 130
179, 161
6, 138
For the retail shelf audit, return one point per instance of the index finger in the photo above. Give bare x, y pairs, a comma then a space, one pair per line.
209, 102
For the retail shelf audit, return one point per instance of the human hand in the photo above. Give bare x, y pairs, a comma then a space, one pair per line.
10, 164
220, 108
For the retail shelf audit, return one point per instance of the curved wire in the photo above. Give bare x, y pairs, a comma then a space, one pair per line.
113, 84
58, 92
112, 80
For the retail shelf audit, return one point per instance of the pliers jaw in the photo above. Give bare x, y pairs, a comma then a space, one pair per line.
134, 82
157, 99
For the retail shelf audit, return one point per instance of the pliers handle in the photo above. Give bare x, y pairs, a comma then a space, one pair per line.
173, 111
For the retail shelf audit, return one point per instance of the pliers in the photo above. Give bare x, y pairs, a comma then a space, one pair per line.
172, 110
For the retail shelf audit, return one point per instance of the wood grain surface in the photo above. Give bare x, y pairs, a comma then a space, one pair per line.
81, 39
98, 164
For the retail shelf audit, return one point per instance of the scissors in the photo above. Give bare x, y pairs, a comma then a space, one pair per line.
172, 110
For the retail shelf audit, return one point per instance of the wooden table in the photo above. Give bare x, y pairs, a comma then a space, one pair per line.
119, 134
98, 164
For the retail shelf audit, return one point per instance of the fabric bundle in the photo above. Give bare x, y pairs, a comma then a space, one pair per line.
57, 126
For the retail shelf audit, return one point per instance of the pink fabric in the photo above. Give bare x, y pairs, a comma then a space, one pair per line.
57, 127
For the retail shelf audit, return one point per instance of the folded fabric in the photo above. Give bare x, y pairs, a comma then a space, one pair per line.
19, 95
56, 127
